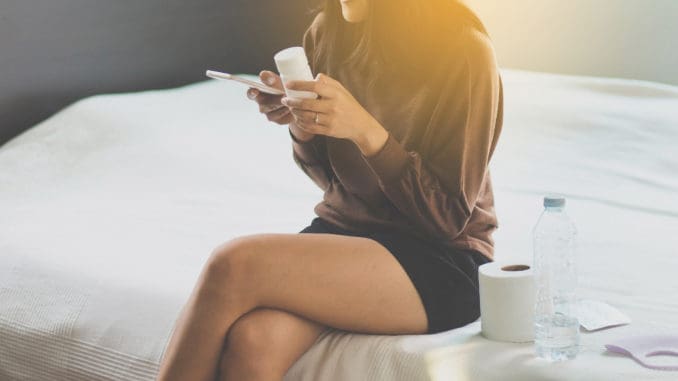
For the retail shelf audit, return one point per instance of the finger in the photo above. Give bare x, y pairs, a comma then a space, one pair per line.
252, 93
311, 128
307, 117
268, 99
271, 79
324, 89
324, 78
265, 108
276, 115
316, 105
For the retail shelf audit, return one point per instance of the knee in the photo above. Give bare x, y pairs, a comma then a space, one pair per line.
228, 266
251, 336
253, 346
228, 257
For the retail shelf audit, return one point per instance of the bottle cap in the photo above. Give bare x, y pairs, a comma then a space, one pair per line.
554, 202
291, 60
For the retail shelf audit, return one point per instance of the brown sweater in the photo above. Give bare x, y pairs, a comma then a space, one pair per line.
431, 179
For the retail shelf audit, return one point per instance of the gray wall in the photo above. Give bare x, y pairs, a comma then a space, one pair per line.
53, 52
614, 38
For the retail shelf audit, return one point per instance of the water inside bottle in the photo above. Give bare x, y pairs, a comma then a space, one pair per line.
556, 337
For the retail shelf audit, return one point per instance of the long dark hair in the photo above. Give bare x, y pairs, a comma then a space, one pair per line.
398, 36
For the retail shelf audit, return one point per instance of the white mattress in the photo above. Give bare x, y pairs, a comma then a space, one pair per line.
110, 208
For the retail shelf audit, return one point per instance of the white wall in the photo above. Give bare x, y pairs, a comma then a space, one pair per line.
614, 38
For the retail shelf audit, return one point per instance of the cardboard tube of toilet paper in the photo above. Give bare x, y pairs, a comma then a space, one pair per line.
507, 302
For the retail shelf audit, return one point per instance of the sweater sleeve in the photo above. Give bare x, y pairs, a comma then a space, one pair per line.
311, 156
437, 188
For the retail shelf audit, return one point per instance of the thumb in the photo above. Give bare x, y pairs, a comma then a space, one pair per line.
271, 79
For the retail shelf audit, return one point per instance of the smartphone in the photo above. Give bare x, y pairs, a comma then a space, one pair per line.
257, 85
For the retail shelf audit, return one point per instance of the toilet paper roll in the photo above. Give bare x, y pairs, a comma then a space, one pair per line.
507, 302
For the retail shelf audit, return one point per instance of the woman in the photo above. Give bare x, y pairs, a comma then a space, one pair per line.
409, 113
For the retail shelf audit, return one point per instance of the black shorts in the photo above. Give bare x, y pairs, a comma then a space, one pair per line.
447, 281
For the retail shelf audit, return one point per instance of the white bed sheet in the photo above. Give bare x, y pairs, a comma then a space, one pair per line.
110, 208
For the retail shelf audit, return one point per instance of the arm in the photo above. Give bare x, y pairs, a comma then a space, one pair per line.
436, 187
311, 157
309, 150
438, 191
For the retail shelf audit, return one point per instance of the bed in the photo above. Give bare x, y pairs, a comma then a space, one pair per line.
110, 208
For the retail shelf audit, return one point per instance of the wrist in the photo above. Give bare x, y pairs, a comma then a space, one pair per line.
372, 140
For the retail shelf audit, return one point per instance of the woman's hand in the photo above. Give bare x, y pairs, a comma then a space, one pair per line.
336, 113
269, 104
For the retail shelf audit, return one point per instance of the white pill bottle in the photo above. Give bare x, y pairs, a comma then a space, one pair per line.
293, 66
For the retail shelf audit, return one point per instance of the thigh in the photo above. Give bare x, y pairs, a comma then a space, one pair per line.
345, 282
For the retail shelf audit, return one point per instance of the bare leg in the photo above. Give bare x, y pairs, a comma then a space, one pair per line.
350, 283
264, 343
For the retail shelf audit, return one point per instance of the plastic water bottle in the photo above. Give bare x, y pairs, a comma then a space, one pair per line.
555, 274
